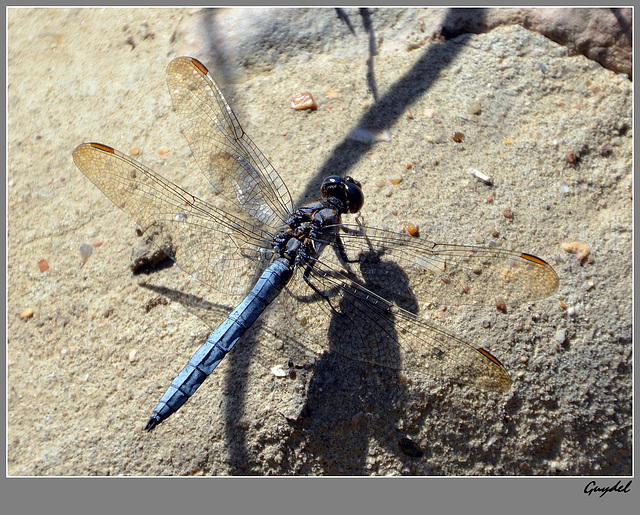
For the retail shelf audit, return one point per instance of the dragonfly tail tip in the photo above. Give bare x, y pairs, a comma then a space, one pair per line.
153, 422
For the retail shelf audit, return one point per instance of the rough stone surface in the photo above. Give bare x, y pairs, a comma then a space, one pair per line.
260, 39
603, 35
77, 403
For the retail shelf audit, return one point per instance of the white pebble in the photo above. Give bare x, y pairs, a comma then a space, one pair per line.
278, 371
483, 177
363, 135
561, 336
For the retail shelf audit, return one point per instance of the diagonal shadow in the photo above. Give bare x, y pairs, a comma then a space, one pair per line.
344, 18
385, 112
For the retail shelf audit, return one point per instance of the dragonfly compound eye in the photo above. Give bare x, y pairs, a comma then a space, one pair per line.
332, 186
355, 196
346, 190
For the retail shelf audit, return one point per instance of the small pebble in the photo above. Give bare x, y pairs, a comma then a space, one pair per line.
508, 142
43, 265
481, 176
408, 166
85, 252
302, 101
395, 180
278, 371
163, 151
27, 313
501, 306
561, 336
98, 243
581, 250
331, 92
508, 214
489, 444
135, 151
409, 115
411, 228
458, 137
132, 356
564, 189
571, 158
429, 112
363, 135
474, 107
469, 117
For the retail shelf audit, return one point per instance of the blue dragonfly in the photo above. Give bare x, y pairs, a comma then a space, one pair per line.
331, 278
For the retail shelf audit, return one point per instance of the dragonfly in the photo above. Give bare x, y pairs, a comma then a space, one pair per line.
319, 276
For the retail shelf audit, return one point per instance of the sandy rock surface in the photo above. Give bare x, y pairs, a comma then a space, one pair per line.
90, 350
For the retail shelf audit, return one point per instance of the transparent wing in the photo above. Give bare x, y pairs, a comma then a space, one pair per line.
364, 326
233, 164
455, 274
370, 310
222, 250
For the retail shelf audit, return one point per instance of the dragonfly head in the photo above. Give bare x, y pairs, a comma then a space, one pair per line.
346, 190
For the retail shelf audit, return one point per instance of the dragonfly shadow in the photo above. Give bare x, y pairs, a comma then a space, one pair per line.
371, 400
350, 402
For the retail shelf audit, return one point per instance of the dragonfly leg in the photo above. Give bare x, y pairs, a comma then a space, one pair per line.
305, 276
342, 253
